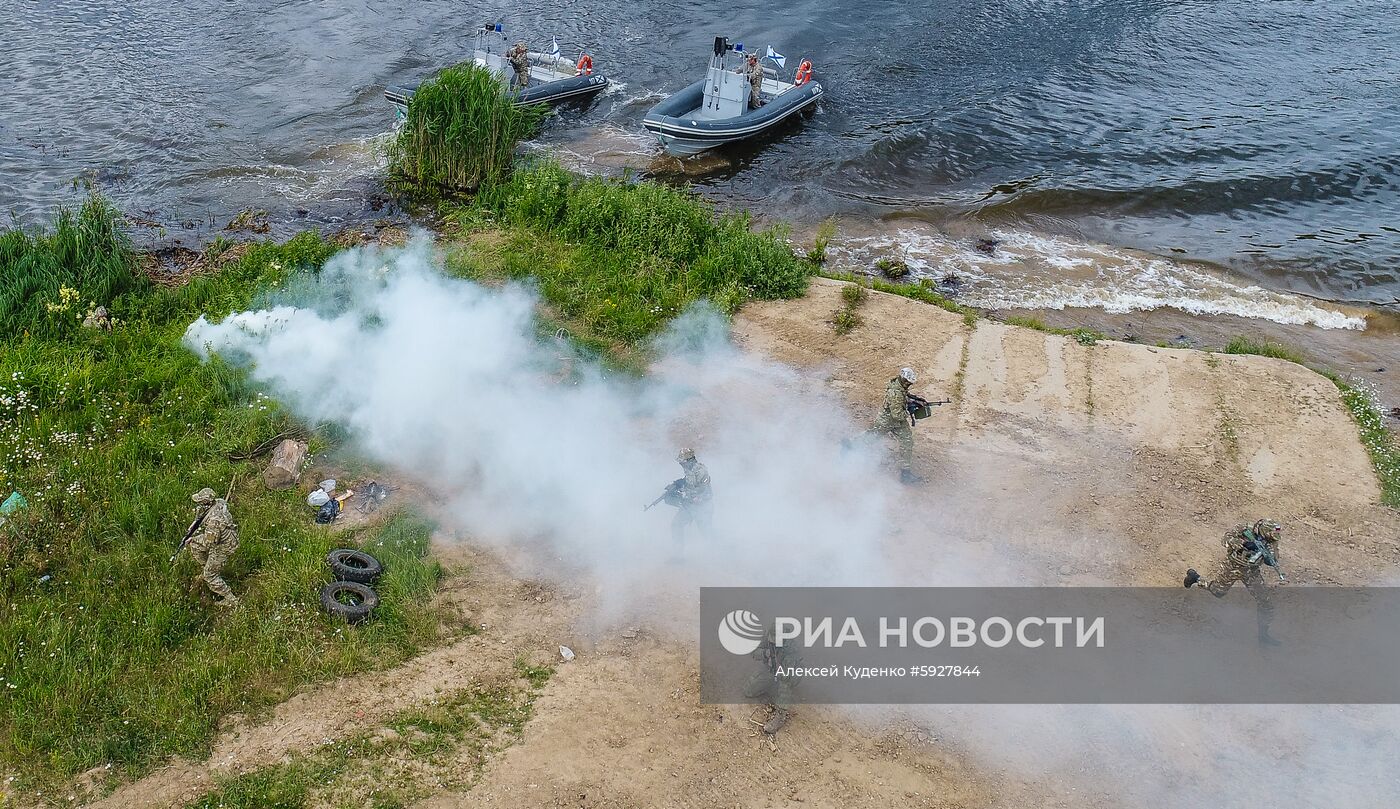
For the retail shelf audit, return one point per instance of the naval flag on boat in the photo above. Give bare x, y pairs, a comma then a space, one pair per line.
554, 48
777, 57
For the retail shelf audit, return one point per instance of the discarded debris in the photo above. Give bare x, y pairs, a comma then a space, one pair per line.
566, 653
98, 319
330, 512
250, 219
375, 493
15, 502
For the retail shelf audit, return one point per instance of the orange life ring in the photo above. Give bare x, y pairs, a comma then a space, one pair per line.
585, 65
804, 73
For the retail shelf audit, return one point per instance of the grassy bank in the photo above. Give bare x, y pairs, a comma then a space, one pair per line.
106, 653
415, 754
617, 260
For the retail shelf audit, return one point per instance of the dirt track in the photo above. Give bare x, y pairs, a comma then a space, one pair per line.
1061, 463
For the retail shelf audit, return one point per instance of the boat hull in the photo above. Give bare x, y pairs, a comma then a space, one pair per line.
683, 136
553, 92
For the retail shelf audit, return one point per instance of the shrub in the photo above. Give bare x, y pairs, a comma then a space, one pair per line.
892, 268
460, 133
845, 320
826, 231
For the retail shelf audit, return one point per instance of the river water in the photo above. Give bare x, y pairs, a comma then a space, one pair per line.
1129, 154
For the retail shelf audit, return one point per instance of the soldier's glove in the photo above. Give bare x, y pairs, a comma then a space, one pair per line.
1191, 578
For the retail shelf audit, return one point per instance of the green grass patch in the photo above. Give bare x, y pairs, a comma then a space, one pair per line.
460, 133
107, 654
1244, 345
51, 278
1081, 335
923, 291
421, 751
1380, 442
847, 318
619, 259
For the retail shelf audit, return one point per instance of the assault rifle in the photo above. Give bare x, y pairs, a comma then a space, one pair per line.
198, 521
921, 408
1259, 551
672, 494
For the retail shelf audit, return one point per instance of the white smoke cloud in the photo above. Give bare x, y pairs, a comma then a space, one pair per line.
451, 381
537, 447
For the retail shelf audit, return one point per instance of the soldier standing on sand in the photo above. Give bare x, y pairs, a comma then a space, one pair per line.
772, 684
894, 420
214, 544
1246, 548
694, 497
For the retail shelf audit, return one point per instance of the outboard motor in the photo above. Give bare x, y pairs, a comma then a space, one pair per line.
726, 92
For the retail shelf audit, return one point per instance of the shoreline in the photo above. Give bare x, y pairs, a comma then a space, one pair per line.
1370, 353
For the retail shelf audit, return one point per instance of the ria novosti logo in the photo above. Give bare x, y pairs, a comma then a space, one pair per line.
740, 632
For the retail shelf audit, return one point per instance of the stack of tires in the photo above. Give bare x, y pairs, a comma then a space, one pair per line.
350, 595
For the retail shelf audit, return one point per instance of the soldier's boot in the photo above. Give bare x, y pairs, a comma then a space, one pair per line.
908, 478
776, 722
1192, 578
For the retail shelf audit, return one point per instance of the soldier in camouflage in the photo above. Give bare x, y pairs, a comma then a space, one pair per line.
1247, 548
893, 420
753, 70
519, 58
214, 544
694, 497
771, 684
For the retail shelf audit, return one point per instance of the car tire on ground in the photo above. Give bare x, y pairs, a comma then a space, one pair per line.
349, 564
349, 599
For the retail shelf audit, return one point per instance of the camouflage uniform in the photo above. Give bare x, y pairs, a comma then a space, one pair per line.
1236, 566
212, 546
755, 73
778, 689
894, 420
519, 58
696, 499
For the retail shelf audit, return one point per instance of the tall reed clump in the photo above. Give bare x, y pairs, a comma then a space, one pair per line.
51, 278
639, 252
460, 133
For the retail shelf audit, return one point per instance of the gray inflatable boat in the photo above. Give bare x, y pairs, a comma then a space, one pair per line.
716, 110
554, 78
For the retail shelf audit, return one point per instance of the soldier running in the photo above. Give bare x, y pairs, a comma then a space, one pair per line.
214, 544
1246, 549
